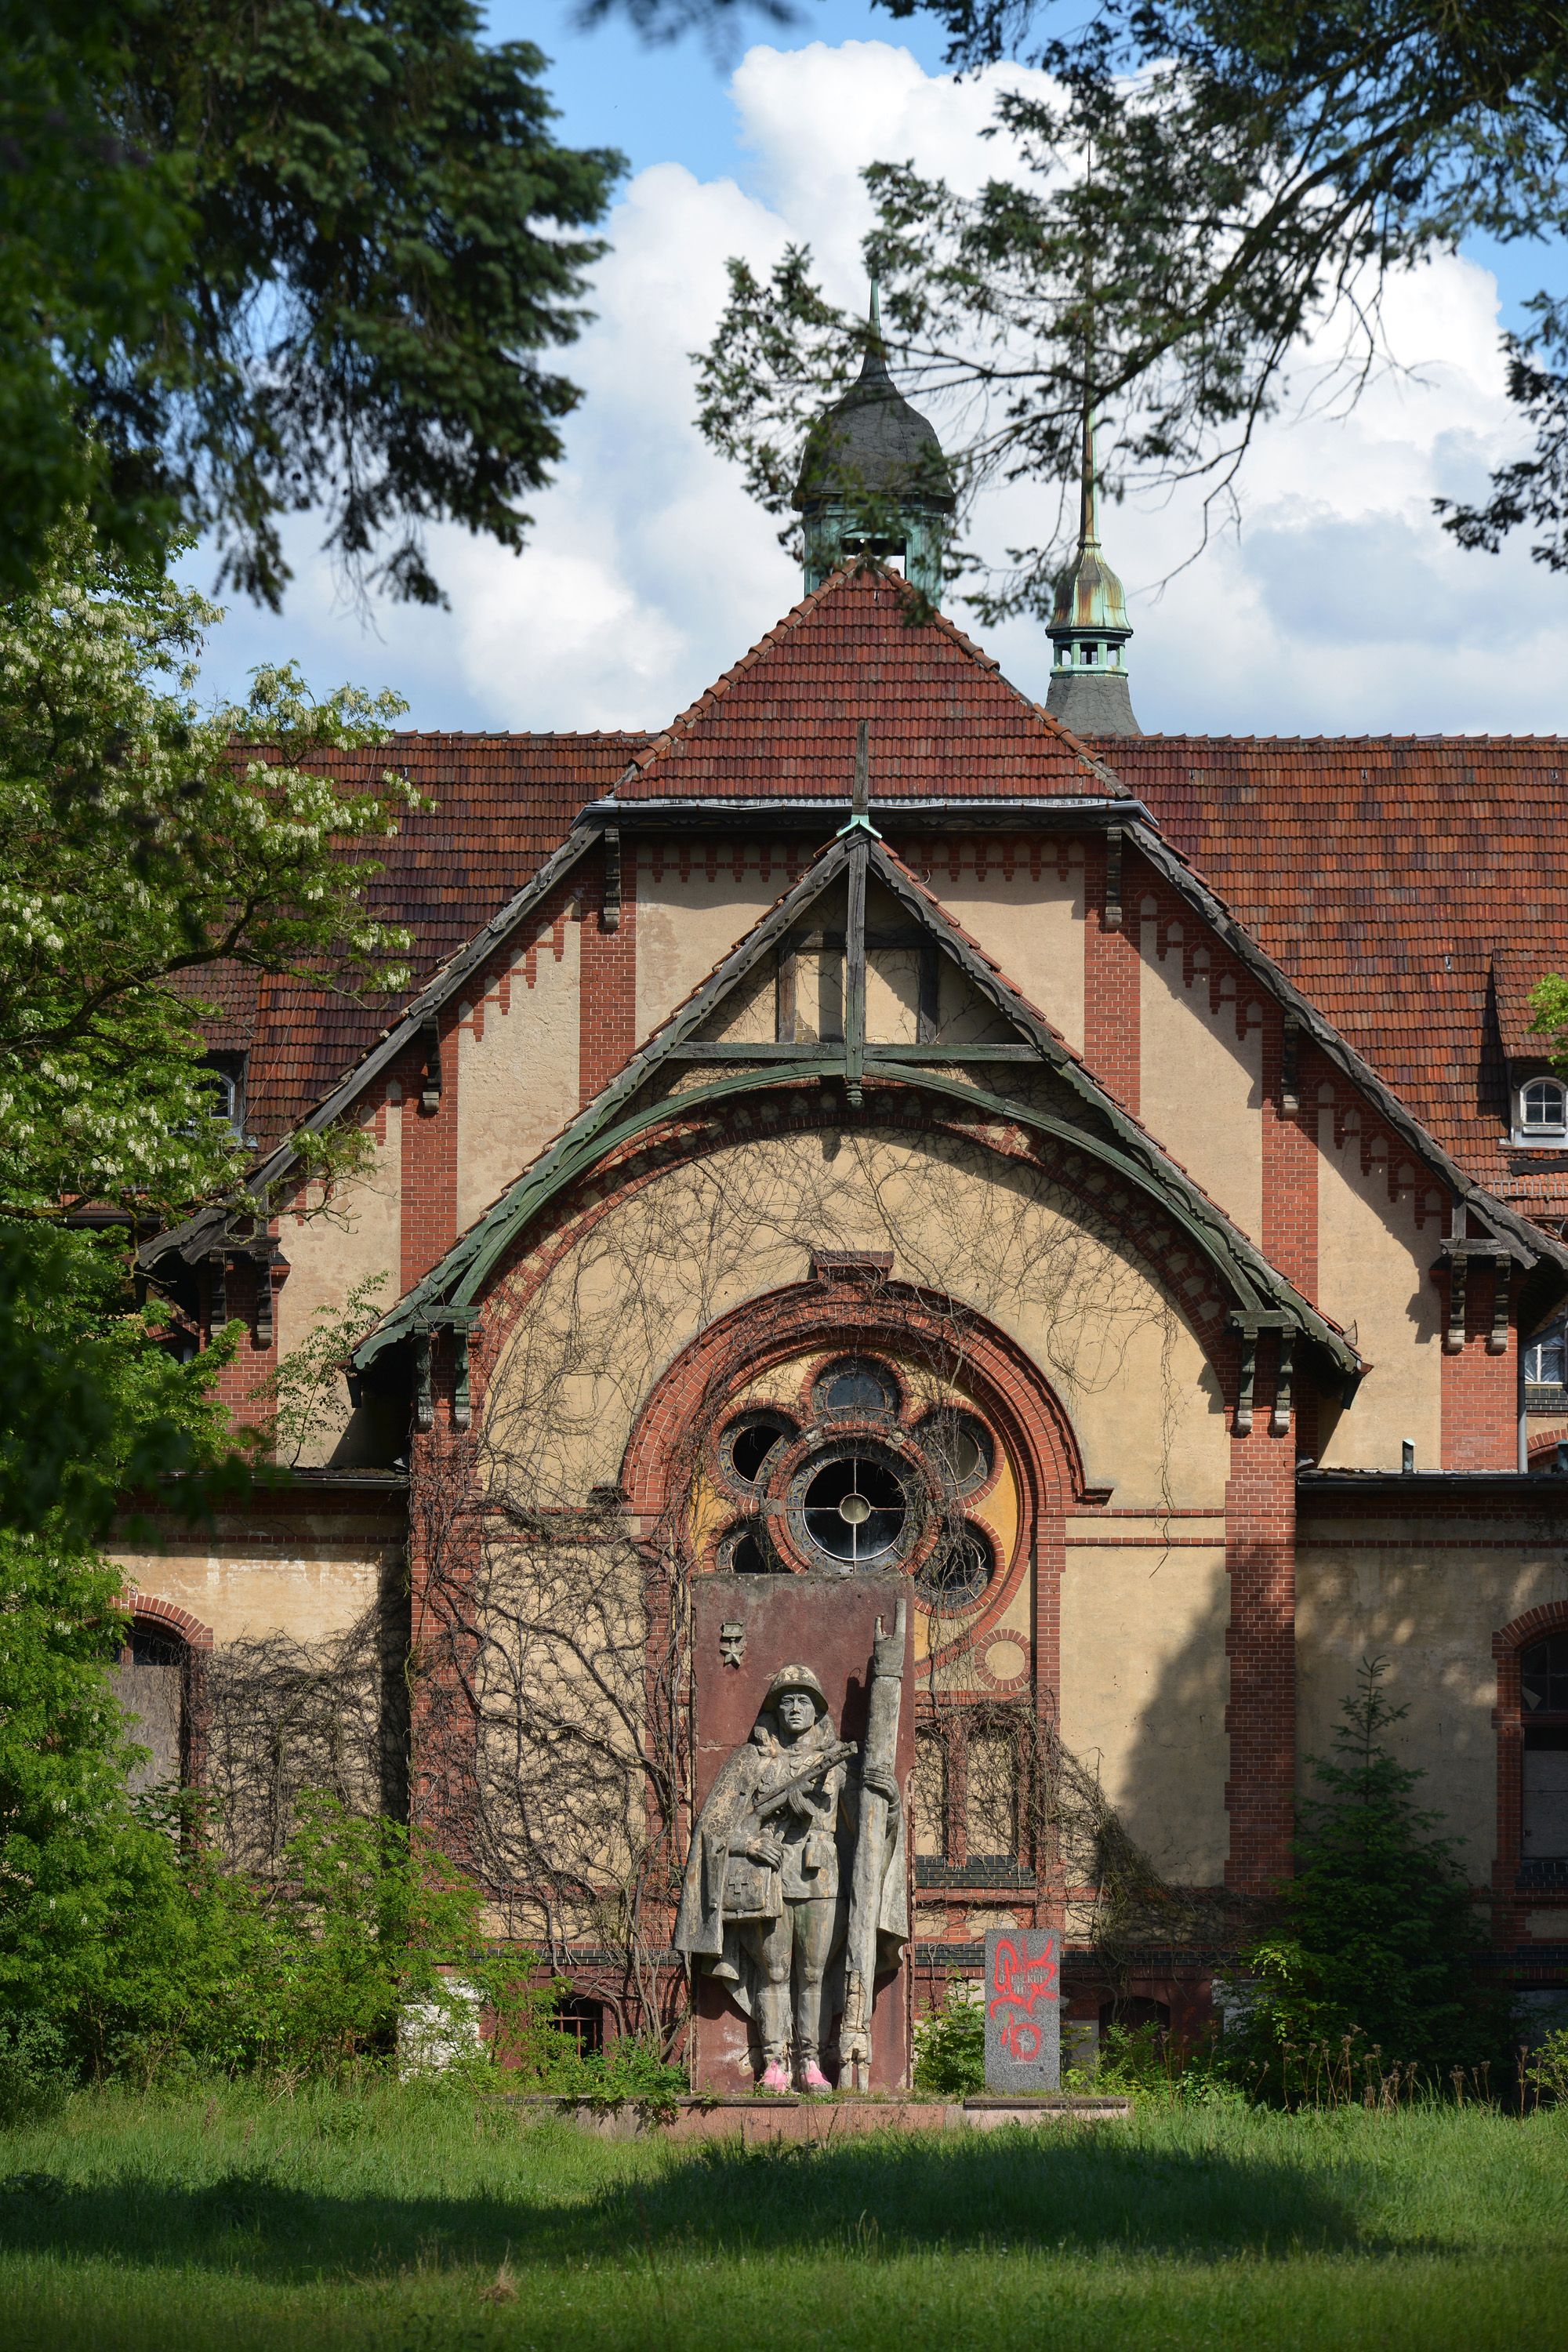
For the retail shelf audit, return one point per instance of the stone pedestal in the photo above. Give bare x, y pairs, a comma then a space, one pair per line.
744, 1628
1023, 2009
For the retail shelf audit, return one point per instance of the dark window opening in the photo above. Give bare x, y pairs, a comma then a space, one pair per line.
1133, 2010
958, 1571
748, 1444
1543, 1676
583, 2020
744, 1554
1543, 1790
960, 1446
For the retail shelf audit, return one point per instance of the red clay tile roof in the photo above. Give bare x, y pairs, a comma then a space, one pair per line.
503, 803
943, 719
1515, 973
1386, 875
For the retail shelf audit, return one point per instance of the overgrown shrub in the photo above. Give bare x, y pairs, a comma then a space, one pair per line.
200, 1969
1545, 2072
950, 2045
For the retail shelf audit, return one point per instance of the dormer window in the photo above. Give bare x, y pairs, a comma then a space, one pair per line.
1540, 1111
1544, 1360
223, 1081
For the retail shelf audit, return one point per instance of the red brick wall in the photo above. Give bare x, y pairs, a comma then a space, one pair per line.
1480, 1390
1111, 980
1260, 1642
609, 982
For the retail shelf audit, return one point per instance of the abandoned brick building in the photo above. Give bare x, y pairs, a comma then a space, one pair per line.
1119, 1164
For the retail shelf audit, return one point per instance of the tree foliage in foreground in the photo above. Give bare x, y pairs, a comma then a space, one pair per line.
289, 254
1205, 184
137, 853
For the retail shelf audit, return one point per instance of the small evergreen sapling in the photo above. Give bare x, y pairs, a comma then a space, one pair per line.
1377, 1933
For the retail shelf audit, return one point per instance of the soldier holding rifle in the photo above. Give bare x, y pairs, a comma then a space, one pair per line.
766, 1882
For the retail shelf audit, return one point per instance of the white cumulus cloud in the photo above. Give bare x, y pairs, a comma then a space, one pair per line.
1339, 605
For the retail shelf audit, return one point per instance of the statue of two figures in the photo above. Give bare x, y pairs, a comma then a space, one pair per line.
796, 1896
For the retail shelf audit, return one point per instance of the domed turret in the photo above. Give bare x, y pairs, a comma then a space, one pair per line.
874, 480
1090, 628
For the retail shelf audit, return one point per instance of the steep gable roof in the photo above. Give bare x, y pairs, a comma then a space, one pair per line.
1381, 874
945, 721
1098, 1127
502, 803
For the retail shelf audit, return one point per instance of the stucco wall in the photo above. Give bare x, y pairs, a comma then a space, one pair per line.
1373, 1262
701, 1239
1145, 1680
517, 1056
333, 1248
1032, 929
1201, 1076
1430, 1608
685, 926
308, 1577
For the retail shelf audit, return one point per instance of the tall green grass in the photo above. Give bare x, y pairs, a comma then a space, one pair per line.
416, 2221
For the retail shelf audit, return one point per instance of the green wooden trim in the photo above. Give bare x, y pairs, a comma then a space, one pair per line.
1246, 1275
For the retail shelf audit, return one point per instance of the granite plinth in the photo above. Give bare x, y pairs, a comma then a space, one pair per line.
1023, 2009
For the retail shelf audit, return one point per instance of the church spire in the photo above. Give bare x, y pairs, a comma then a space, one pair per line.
1089, 625
874, 478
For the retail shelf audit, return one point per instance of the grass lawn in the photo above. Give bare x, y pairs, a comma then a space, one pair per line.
419, 2222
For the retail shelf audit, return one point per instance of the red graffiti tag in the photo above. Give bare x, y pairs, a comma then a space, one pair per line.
1022, 1982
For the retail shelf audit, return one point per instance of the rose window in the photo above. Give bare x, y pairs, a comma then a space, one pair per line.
855, 1474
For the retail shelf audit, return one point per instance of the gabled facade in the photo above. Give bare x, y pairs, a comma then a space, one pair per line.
1127, 1133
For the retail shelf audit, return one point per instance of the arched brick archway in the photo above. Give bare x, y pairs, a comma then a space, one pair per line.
160, 1681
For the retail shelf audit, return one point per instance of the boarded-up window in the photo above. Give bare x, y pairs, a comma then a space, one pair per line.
930, 1794
150, 1683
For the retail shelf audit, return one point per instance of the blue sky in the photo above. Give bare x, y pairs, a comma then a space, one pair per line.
1337, 606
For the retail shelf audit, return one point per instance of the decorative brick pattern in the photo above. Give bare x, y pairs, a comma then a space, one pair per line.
1112, 986
168, 1617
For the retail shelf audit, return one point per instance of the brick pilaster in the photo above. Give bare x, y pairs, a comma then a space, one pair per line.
429, 1158
609, 978
1480, 1390
1260, 1642
1112, 971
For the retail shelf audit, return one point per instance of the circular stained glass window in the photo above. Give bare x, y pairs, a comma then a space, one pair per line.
857, 1389
958, 1571
748, 1444
960, 1446
855, 1509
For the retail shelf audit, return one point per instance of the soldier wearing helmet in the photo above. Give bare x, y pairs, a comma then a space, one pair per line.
763, 1903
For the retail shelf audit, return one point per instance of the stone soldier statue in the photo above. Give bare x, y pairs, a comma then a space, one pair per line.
762, 1906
